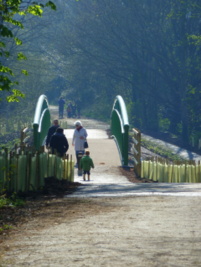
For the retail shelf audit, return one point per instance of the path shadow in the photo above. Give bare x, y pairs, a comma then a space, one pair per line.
118, 189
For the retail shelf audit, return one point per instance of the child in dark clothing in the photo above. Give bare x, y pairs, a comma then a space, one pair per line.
86, 164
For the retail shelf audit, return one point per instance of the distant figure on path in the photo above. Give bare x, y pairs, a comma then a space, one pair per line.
61, 107
78, 104
86, 164
74, 110
79, 137
59, 143
69, 110
51, 131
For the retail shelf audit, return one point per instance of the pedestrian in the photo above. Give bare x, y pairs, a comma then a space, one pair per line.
69, 110
79, 138
59, 143
61, 107
74, 110
51, 131
78, 104
86, 164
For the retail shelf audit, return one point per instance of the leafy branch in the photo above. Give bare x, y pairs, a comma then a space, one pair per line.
8, 11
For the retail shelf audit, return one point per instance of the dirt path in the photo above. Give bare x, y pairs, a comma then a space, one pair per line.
139, 231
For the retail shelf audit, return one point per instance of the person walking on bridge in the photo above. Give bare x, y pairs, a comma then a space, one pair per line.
59, 143
79, 138
51, 131
61, 107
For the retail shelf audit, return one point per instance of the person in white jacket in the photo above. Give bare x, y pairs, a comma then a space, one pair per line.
79, 137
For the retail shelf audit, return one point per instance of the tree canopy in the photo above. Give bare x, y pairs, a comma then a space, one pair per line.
147, 51
11, 12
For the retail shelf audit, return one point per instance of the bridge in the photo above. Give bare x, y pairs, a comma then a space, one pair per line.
104, 151
108, 150
119, 128
108, 145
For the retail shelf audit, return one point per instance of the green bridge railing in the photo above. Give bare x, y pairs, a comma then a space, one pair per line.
120, 128
41, 122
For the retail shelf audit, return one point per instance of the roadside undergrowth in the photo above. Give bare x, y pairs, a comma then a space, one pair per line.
16, 208
161, 151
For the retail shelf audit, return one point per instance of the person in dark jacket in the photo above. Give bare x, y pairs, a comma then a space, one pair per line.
51, 131
59, 143
61, 107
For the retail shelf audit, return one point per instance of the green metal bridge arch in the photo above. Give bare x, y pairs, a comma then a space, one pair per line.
120, 128
41, 121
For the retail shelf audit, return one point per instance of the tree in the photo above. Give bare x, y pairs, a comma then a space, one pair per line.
147, 51
10, 17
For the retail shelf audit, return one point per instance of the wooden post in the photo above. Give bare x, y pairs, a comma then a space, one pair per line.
10, 172
37, 170
42, 149
28, 176
7, 167
71, 159
55, 166
137, 151
16, 180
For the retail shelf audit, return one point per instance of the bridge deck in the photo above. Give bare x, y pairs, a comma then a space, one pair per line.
105, 156
102, 149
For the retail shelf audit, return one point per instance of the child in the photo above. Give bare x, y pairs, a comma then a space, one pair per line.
86, 164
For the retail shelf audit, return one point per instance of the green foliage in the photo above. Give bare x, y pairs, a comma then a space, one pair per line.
35, 10
194, 39
164, 124
21, 56
18, 41
15, 96
8, 12
102, 52
96, 50
10, 144
5, 32
5, 227
4, 69
13, 201
160, 150
3, 202
25, 72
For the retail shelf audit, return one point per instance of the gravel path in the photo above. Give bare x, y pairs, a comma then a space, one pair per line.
137, 231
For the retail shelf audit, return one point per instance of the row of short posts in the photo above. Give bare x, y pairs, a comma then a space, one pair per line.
161, 170
25, 169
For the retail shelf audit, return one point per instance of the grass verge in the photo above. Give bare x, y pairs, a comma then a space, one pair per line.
161, 151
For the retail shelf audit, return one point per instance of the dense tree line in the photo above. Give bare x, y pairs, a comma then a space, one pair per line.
147, 51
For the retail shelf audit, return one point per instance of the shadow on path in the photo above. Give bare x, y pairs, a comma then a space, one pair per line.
122, 190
